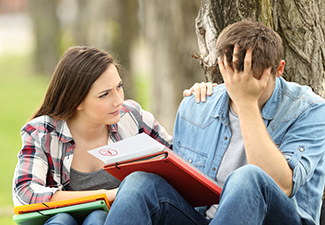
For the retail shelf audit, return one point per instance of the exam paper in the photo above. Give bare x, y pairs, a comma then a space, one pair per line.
129, 148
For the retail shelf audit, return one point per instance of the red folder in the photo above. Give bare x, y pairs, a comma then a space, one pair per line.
196, 188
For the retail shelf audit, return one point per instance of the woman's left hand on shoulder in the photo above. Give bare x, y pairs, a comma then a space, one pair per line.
201, 90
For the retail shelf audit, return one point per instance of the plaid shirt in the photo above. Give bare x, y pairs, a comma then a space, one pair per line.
47, 150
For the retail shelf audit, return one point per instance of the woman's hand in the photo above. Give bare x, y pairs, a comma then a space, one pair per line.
201, 90
111, 194
65, 195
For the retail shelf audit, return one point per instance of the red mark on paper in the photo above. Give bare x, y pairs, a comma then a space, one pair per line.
108, 152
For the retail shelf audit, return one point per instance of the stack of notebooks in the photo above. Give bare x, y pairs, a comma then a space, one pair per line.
79, 208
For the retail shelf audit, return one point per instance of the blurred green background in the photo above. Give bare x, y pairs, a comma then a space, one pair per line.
20, 93
153, 40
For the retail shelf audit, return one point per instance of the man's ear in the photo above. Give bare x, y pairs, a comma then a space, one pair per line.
280, 69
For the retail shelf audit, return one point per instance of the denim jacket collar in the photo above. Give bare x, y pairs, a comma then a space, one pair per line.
269, 109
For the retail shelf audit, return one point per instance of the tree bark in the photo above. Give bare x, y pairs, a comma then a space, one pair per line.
299, 22
169, 30
301, 26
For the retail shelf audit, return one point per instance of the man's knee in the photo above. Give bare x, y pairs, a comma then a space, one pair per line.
139, 179
139, 183
61, 218
96, 217
248, 175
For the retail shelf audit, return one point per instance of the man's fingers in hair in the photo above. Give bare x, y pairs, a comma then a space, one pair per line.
223, 69
234, 56
225, 62
265, 77
221, 66
248, 61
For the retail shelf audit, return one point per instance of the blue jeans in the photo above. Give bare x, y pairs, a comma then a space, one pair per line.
249, 197
96, 217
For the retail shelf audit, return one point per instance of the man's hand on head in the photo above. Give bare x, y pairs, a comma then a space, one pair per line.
243, 88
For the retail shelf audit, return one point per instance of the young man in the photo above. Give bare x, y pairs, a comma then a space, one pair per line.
261, 137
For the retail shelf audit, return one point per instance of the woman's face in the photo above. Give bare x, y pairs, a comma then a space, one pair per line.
103, 103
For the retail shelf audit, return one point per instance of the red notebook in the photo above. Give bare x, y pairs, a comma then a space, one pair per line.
196, 188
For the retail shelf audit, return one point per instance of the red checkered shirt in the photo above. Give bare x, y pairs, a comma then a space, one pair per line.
47, 150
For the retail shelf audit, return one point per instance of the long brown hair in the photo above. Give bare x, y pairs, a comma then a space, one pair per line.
77, 70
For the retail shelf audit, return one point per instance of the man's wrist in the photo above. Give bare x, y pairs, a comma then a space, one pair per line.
247, 108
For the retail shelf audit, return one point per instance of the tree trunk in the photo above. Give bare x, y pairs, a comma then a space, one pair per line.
300, 23
169, 30
47, 35
129, 33
110, 25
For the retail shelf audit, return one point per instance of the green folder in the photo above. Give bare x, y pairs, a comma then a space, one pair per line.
79, 212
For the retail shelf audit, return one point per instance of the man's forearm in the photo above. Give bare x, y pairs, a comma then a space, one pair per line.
261, 150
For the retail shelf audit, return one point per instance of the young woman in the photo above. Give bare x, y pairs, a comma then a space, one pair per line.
83, 109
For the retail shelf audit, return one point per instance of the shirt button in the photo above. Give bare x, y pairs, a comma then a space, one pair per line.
190, 160
225, 138
213, 168
301, 149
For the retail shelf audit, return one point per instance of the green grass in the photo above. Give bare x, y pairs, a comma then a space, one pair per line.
21, 92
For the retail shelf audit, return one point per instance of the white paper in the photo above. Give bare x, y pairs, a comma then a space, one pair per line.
132, 147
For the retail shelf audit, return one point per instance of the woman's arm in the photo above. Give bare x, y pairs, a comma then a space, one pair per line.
30, 183
65, 195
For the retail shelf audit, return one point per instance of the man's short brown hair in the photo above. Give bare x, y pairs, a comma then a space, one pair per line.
265, 42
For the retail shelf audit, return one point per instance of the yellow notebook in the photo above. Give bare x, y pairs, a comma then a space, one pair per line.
59, 204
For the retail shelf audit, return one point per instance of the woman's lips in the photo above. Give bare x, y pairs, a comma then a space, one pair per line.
116, 112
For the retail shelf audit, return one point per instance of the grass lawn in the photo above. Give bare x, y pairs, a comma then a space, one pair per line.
21, 92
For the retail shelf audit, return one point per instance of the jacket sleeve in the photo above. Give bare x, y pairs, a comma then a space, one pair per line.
29, 182
304, 146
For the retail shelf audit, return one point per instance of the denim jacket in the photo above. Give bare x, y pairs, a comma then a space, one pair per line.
295, 119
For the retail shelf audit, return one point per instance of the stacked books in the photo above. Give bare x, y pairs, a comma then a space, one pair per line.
79, 208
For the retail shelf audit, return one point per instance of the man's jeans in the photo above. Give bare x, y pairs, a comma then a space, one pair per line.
249, 197
96, 217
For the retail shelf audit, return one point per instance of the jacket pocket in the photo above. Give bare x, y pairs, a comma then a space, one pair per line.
196, 158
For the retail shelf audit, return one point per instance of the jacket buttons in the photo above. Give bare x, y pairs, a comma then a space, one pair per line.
301, 149
190, 160
225, 138
213, 169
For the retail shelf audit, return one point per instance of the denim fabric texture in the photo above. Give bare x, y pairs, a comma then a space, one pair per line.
96, 217
294, 118
148, 199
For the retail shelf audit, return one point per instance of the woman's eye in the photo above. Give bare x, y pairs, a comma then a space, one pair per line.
103, 95
120, 86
